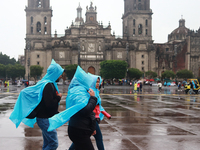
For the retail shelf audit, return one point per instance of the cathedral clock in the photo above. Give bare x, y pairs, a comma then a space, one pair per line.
91, 18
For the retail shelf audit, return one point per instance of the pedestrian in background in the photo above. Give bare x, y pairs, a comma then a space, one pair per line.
140, 86
159, 86
135, 87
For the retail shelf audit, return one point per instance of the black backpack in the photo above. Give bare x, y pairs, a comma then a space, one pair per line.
33, 114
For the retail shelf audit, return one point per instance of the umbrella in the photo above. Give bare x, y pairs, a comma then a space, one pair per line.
156, 79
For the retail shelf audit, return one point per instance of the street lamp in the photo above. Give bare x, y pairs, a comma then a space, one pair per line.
127, 51
79, 53
28, 61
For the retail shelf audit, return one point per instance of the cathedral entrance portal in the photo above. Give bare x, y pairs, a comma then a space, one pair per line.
91, 70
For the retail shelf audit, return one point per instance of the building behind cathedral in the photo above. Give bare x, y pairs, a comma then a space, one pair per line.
88, 42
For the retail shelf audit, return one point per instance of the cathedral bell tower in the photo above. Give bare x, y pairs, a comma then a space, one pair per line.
38, 34
79, 20
38, 18
91, 15
137, 20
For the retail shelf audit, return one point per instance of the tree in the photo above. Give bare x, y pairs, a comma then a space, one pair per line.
151, 74
36, 71
2, 71
168, 74
14, 71
184, 74
5, 60
70, 71
134, 73
113, 69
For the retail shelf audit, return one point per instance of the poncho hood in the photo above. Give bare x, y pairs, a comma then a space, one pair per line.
77, 98
30, 97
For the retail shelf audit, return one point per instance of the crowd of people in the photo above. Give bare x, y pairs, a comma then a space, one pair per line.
84, 112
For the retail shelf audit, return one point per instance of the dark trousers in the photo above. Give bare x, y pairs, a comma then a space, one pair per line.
98, 138
80, 138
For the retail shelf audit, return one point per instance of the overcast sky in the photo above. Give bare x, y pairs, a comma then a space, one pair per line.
166, 14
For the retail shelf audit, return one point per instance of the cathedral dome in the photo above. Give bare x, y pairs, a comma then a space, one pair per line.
180, 33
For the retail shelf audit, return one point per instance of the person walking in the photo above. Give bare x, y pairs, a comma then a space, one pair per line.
135, 87
138, 86
40, 102
159, 86
80, 103
191, 88
99, 113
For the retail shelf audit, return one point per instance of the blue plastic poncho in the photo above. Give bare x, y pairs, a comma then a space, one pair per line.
96, 91
194, 84
77, 98
168, 83
30, 97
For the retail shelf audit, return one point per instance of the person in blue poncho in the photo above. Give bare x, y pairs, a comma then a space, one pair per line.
40, 102
80, 103
99, 112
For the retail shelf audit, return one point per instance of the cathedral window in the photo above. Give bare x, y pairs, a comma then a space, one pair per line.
38, 27
45, 20
146, 31
31, 30
142, 68
142, 56
133, 31
133, 22
45, 30
31, 20
142, 62
38, 56
99, 47
39, 4
38, 63
83, 48
139, 6
146, 22
140, 29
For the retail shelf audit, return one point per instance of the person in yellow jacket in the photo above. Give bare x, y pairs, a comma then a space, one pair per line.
135, 87
6, 83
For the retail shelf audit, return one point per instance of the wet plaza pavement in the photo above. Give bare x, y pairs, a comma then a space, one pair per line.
148, 120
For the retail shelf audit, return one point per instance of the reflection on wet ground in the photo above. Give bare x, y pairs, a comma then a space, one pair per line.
140, 121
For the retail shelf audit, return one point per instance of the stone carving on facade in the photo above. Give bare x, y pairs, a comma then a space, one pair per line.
61, 43
61, 55
91, 32
119, 54
91, 47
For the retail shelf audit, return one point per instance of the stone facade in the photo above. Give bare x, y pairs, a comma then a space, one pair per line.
88, 42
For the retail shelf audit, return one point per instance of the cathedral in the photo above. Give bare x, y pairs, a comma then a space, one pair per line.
89, 42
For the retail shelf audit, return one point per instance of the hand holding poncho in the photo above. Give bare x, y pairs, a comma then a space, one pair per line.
77, 99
